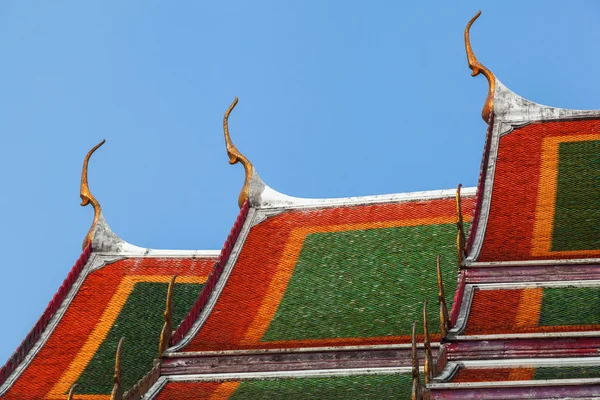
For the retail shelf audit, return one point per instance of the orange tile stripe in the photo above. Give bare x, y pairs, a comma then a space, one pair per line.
285, 269
93, 342
530, 306
225, 390
545, 210
521, 374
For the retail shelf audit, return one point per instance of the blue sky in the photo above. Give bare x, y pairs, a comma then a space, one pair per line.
337, 98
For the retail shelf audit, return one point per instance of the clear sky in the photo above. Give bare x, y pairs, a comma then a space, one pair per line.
337, 98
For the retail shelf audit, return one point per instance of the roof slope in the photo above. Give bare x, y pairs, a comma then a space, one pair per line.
122, 299
541, 184
324, 385
313, 275
118, 290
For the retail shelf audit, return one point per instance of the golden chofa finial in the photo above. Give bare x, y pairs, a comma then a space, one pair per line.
86, 196
235, 156
478, 68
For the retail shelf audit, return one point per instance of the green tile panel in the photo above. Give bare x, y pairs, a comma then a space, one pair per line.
140, 322
366, 283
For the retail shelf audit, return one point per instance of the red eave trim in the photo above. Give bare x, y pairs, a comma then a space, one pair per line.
481, 184
214, 276
458, 297
33, 336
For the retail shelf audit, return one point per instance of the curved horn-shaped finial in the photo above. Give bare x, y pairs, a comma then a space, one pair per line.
427, 344
117, 391
416, 378
235, 156
461, 250
86, 195
444, 316
478, 68
167, 330
71, 392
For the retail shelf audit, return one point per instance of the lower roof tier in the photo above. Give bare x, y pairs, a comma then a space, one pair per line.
526, 309
333, 276
109, 301
332, 387
531, 378
526, 373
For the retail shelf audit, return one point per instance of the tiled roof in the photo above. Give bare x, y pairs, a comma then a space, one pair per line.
539, 200
125, 298
334, 276
345, 387
545, 193
534, 309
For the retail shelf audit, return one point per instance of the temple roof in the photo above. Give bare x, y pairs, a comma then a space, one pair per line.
326, 298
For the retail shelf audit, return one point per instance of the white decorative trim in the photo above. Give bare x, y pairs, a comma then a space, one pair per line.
486, 195
541, 335
532, 362
264, 214
155, 389
295, 350
220, 285
463, 313
509, 106
106, 242
94, 263
153, 253
271, 199
530, 263
512, 384
447, 373
452, 367
317, 373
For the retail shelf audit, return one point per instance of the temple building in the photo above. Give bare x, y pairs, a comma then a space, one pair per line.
490, 292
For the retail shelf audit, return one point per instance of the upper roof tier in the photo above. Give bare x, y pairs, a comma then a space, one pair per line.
539, 189
540, 185
332, 273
